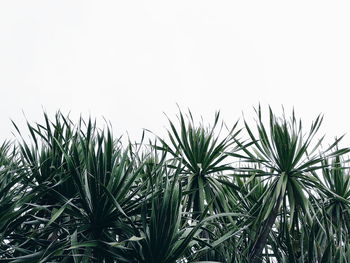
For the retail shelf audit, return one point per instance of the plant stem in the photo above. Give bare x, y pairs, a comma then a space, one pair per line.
261, 241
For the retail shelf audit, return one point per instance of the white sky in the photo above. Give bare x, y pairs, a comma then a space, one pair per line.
130, 61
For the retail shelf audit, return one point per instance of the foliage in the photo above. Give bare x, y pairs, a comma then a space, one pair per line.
72, 192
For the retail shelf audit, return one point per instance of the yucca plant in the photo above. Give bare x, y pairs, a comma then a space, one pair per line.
108, 196
83, 193
333, 206
202, 153
287, 159
164, 236
42, 177
73, 192
12, 198
334, 188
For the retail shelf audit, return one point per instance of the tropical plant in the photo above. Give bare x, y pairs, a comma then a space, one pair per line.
287, 159
73, 192
203, 155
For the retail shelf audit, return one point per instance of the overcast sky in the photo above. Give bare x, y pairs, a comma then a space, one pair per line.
130, 61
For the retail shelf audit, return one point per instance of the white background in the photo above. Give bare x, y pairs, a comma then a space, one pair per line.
130, 61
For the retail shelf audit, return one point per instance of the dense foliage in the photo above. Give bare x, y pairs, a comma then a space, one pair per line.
269, 192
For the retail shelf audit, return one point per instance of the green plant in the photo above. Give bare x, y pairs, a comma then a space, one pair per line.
72, 192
